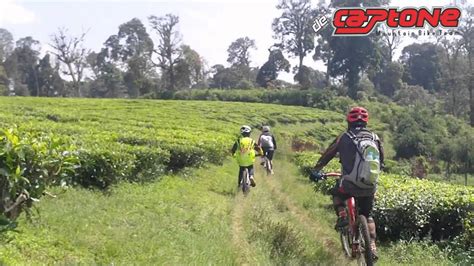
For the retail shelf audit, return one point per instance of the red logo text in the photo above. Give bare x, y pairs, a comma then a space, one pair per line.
358, 21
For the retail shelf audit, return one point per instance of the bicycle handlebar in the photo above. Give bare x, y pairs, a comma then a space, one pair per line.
324, 176
331, 174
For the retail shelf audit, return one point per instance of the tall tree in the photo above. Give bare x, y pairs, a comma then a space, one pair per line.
454, 75
69, 50
108, 78
6, 44
466, 30
309, 78
239, 56
168, 48
323, 49
21, 66
293, 29
224, 78
4, 90
353, 55
190, 69
131, 50
389, 41
422, 65
49, 80
389, 80
239, 51
324, 52
268, 73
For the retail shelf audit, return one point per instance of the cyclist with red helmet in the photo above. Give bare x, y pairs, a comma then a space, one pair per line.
350, 185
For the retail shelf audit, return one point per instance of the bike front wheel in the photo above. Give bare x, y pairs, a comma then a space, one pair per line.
268, 166
346, 241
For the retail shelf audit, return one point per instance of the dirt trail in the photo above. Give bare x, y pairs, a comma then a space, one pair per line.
242, 246
272, 187
309, 224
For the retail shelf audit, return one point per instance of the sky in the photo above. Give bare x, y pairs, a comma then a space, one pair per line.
208, 26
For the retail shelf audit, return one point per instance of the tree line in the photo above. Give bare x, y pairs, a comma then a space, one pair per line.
141, 61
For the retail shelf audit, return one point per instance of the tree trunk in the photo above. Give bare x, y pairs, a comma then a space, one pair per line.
471, 100
453, 94
74, 81
301, 62
328, 72
471, 80
171, 70
36, 82
352, 82
448, 171
172, 79
79, 91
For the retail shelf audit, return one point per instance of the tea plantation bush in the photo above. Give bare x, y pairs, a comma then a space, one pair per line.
97, 143
30, 162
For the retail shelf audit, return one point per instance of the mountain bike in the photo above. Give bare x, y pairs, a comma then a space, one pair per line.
355, 238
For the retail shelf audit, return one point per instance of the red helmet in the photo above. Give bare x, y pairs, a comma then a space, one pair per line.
358, 114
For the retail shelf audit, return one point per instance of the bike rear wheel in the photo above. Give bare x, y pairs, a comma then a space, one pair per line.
364, 242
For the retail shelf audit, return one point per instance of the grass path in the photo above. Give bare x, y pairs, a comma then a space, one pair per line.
311, 226
276, 228
241, 245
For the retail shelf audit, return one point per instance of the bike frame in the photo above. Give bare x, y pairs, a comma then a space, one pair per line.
352, 215
351, 207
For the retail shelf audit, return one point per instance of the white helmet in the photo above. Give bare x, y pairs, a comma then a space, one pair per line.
245, 129
266, 128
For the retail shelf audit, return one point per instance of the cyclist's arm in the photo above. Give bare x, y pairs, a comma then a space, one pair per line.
274, 142
382, 155
258, 149
328, 155
259, 138
234, 148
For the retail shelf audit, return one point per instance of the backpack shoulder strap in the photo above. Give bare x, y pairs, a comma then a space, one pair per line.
374, 138
352, 136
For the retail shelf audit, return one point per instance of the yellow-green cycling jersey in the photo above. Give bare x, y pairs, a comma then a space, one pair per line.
245, 150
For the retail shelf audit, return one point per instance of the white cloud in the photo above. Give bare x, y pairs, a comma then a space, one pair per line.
13, 13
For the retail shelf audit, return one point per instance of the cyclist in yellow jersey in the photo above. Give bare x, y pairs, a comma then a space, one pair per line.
245, 150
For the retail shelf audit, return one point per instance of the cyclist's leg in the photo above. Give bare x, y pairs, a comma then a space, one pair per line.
339, 201
251, 174
365, 205
241, 172
269, 155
